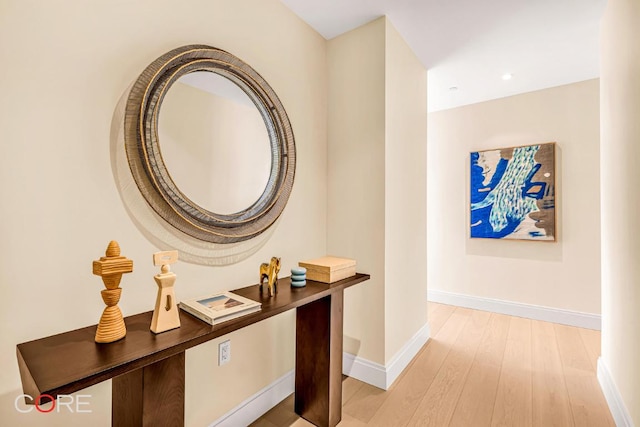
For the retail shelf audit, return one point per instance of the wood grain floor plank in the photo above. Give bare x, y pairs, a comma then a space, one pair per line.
300, 422
592, 341
431, 307
551, 406
439, 403
348, 421
263, 422
587, 402
476, 402
409, 390
280, 415
512, 379
365, 402
439, 317
513, 406
350, 387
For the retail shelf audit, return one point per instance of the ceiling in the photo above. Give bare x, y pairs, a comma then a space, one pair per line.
470, 44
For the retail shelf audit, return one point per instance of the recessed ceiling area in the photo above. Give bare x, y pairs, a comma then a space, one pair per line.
472, 45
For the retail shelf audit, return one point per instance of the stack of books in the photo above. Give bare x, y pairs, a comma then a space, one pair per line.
219, 308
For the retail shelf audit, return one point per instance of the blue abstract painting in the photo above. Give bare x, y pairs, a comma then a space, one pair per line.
513, 193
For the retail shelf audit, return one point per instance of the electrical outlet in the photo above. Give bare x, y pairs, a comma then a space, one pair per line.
224, 352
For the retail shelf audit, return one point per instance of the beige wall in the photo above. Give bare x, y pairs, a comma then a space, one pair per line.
377, 185
620, 151
564, 274
356, 178
405, 193
65, 65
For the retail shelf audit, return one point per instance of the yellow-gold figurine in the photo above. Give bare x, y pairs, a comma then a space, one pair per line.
270, 272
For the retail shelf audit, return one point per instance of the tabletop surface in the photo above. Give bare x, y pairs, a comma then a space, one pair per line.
70, 361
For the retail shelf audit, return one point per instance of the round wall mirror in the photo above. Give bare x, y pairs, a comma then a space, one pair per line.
209, 144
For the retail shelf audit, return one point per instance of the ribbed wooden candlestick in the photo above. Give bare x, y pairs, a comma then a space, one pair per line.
111, 267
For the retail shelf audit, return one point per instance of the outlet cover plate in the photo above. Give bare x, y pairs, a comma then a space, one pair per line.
224, 352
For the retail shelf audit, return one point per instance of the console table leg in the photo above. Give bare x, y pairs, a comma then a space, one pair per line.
152, 396
318, 393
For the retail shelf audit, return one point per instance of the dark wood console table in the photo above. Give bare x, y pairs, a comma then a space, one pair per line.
148, 370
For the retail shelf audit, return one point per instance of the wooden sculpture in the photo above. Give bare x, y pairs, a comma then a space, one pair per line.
270, 272
165, 315
111, 267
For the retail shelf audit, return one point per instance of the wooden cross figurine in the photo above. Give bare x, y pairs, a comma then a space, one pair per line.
111, 267
165, 314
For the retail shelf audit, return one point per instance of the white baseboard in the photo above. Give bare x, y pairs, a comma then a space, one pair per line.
548, 314
371, 373
364, 370
255, 406
612, 395
383, 376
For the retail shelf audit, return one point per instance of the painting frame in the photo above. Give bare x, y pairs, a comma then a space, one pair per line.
512, 193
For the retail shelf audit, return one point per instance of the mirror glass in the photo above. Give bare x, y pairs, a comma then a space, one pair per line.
214, 142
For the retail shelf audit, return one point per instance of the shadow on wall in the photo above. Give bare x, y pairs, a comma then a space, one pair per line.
351, 345
519, 249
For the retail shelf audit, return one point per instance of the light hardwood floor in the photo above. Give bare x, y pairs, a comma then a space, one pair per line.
481, 369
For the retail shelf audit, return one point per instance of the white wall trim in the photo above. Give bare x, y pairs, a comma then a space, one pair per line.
402, 358
383, 376
364, 370
612, 395
537, 312
255, 406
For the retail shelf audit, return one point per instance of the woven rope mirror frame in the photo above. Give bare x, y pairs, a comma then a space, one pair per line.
142, 146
